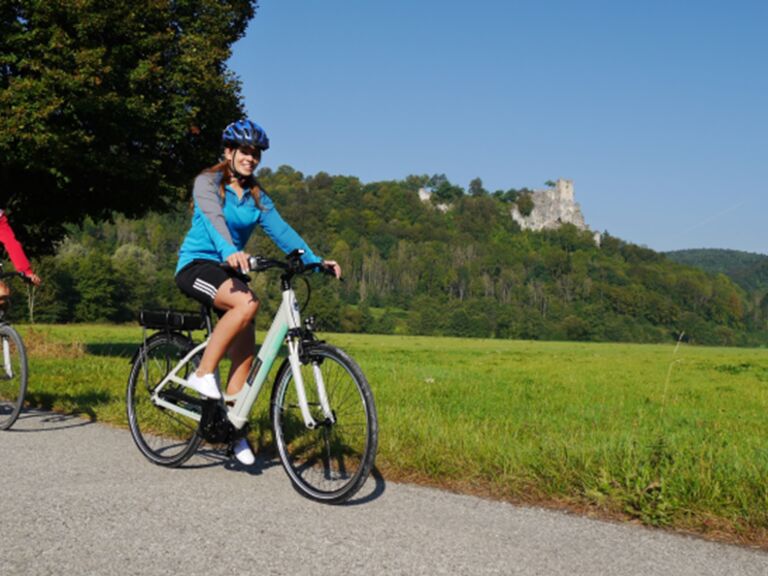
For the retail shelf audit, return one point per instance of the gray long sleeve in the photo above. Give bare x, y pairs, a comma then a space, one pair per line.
206, 198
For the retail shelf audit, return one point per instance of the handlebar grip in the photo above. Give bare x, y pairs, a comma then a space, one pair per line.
258, 263
322, 268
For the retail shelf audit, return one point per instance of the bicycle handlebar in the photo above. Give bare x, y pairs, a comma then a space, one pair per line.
21, 275
292, 265
261, 264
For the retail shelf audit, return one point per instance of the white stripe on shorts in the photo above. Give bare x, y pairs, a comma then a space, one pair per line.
204, 287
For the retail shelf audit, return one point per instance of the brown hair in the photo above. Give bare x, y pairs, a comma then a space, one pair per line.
224, 169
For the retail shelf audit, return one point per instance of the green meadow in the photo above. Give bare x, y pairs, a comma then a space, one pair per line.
667, 435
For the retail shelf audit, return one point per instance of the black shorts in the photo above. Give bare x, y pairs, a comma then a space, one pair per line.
201, 279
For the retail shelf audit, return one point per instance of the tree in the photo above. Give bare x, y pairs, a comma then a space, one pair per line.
138, 278
437, 180
447, 193
110, 106
476, 188
576, 328
525, 204
479, 216
98, 287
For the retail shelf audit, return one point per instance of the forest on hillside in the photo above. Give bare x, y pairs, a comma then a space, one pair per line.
747, 269
411, 268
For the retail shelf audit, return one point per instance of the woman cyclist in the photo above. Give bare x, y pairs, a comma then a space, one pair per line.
16, 253
228, 204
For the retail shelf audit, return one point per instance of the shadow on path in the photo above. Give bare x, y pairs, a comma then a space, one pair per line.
43, 421
211, 456
366, 494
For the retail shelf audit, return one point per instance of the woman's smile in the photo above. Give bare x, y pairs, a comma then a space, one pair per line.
246, 165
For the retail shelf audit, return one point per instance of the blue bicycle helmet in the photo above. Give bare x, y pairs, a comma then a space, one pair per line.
244, 133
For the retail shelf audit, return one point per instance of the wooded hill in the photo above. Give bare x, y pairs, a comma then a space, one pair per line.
411, 269
747, 269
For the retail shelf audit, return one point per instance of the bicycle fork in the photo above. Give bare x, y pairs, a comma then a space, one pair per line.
298, 380
7, 366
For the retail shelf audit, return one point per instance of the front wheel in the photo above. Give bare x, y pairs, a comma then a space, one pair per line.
163, 435
331, 462
13, 375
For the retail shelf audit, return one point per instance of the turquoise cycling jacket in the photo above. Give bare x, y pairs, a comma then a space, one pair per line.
219, 229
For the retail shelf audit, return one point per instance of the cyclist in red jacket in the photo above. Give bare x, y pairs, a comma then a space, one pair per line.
16, 253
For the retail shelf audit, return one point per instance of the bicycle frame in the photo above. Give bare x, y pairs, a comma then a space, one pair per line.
286, 324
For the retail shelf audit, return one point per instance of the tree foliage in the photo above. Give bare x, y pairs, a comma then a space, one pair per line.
476, 188
748, 270
525, 204
111, 105
413, 269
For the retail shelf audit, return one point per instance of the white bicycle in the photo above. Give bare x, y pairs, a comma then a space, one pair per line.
322, 411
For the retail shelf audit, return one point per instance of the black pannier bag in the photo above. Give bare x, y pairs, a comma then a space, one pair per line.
173, 320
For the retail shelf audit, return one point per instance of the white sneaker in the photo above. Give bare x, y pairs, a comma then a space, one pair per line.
206, 385
243, 452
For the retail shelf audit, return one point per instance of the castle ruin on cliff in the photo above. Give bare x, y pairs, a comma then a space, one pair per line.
552, 208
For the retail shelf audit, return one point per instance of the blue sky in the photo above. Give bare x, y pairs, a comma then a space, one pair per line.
657, 110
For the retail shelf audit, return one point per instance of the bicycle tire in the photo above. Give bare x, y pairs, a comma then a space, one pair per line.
332, 462
13, 375
163, 436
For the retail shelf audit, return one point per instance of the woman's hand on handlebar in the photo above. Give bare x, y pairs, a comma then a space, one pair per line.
239, 261
34, 278
333, 266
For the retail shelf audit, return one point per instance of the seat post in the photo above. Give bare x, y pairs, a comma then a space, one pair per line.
205, 312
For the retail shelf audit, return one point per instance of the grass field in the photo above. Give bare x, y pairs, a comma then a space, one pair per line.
671, 436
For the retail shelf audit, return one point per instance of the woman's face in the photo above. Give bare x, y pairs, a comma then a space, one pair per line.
246, 158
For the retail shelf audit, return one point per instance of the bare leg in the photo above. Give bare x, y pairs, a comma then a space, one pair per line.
241, 355
241, 306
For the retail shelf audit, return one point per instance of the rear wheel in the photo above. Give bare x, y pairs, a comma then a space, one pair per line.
13, 375
164, 436
331, 462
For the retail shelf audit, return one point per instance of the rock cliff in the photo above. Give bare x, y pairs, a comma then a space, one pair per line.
552, 208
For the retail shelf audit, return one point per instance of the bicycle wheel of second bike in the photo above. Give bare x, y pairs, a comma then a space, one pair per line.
162, 435
332, 462
13, 376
